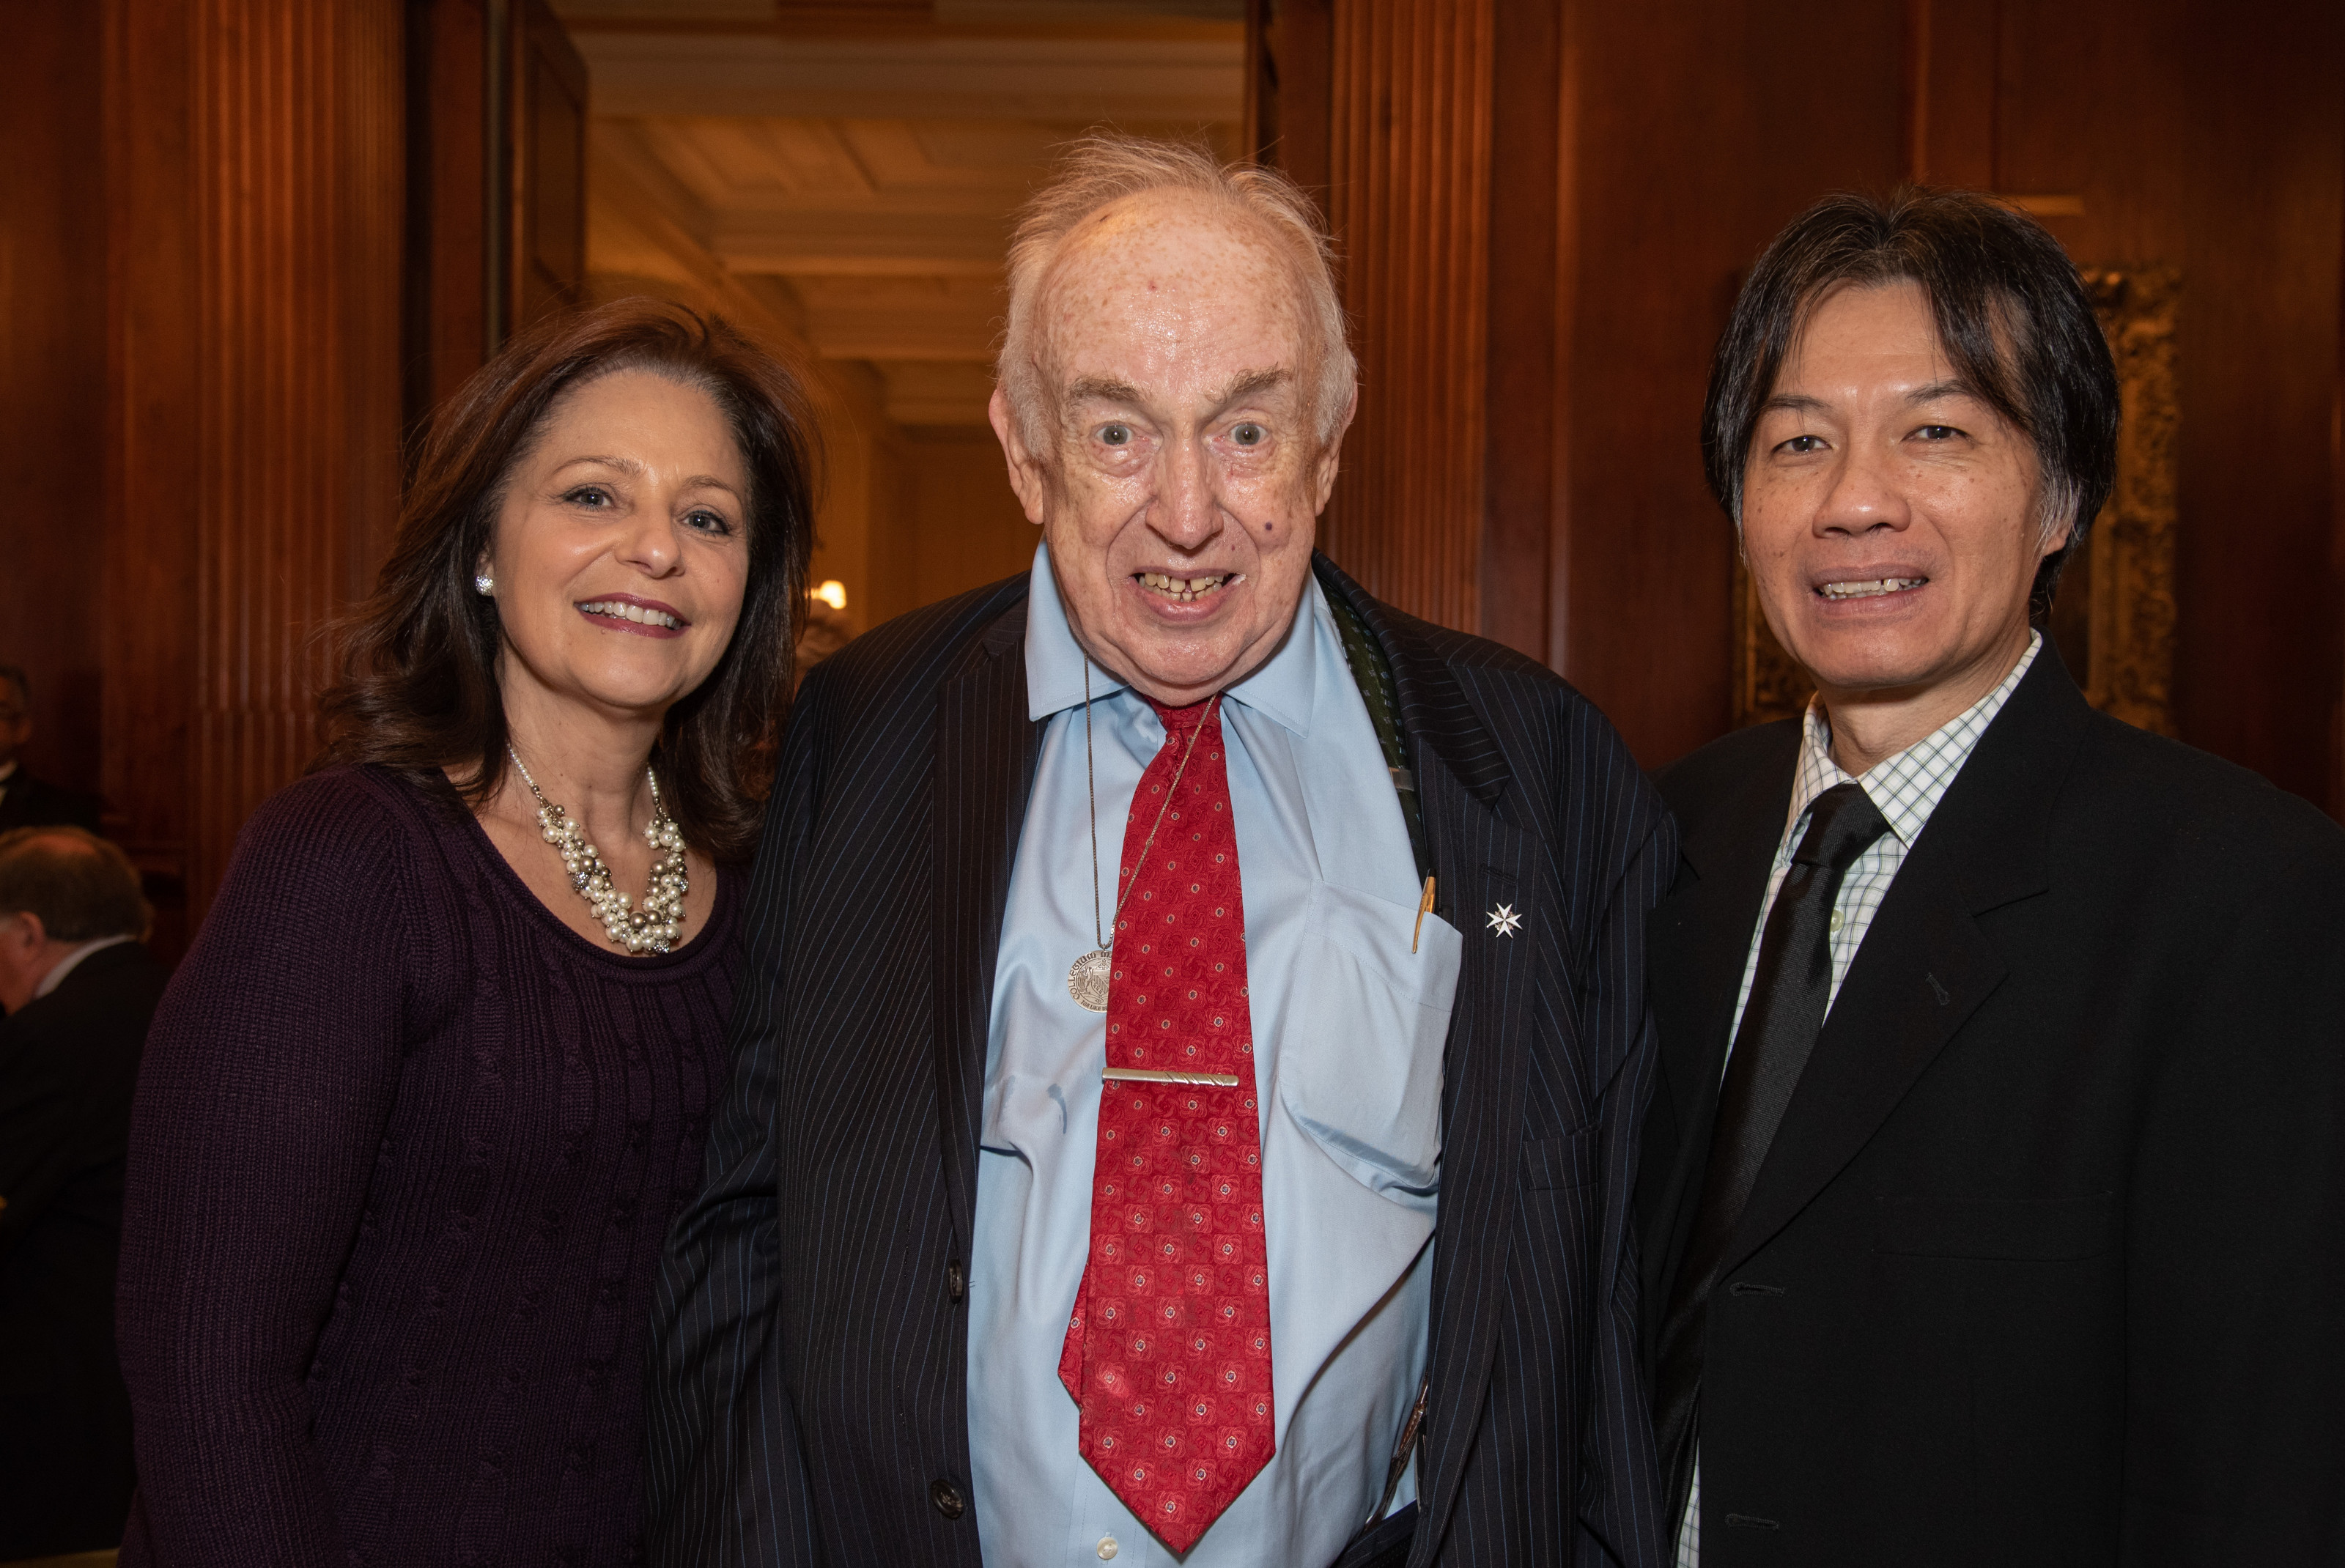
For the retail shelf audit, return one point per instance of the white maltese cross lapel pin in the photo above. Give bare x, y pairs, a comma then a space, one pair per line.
1504, 921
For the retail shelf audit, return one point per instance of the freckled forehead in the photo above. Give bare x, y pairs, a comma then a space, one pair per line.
1172, 282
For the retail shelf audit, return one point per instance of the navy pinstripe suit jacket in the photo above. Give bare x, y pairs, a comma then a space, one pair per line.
808, 1399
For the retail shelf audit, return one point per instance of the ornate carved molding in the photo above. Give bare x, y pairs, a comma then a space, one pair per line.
1768, 682
2127, 565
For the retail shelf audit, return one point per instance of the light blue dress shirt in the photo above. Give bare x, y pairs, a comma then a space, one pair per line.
1349, 1026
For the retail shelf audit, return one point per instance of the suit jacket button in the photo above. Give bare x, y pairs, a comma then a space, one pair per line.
955, 1281
948, 1499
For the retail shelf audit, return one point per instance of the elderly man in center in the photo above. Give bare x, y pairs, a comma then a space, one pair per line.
1188, 1070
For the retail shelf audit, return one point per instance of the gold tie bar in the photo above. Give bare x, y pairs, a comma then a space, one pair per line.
1161, 1075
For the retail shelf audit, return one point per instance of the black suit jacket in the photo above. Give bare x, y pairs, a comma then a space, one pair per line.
28, 802
2043, 1265
809, 1402
68, 1063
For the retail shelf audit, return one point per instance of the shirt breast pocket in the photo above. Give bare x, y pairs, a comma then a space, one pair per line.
1359, 1067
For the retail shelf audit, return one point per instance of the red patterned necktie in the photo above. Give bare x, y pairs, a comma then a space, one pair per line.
1168, 1353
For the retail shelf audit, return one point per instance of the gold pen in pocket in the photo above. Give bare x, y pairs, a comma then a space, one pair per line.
1423, 905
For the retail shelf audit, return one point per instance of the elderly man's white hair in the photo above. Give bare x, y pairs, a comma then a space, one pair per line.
1103, 168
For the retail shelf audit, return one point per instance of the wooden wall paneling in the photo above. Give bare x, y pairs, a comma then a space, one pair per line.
2210, 140
52, 379
1698, 131
892, 533
496, 180
368, 180
1409, 192
966, 525
451, 246
149, 503
1290, 63
1258, 117
1530, 109
255, 166
2175, 134
856, 497
296, 120
1954, 54
546, 104
2257, 224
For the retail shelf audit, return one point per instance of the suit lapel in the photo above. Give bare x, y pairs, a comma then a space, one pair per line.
1480, 860
982, 775
1923, 971
1483, 862
1697, 944
1925, 966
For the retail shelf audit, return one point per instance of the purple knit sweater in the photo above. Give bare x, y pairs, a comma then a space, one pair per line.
404, 1151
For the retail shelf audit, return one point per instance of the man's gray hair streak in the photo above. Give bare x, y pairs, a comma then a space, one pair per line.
1103, 167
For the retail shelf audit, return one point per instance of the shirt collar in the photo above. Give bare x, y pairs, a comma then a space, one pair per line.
1907, 787
1282, 689
67, 964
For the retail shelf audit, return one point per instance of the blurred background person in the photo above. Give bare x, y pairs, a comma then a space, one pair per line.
26, 801
79, 988
427, 1087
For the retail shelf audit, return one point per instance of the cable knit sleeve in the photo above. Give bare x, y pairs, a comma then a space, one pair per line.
269, 1077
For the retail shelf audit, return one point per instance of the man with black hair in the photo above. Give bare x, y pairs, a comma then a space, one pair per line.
79, 988
1991, 1199
26, 801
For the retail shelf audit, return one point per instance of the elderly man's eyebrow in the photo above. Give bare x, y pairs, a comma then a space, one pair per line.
1249, 382
1097, 389
1793, 403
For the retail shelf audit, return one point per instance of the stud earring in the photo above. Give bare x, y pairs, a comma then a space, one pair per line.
484, 585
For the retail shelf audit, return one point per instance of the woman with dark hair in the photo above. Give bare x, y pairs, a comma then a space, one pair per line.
421, 1099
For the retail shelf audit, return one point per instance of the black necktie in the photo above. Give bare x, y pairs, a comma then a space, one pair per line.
1789, 994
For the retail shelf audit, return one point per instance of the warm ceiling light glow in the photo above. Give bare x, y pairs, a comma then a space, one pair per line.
831, 591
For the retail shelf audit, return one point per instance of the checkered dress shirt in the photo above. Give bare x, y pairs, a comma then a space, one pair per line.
1906, 789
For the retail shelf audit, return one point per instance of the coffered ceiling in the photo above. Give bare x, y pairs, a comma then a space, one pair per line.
855, 168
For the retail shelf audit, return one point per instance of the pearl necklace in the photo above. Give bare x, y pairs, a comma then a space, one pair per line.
658, 924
